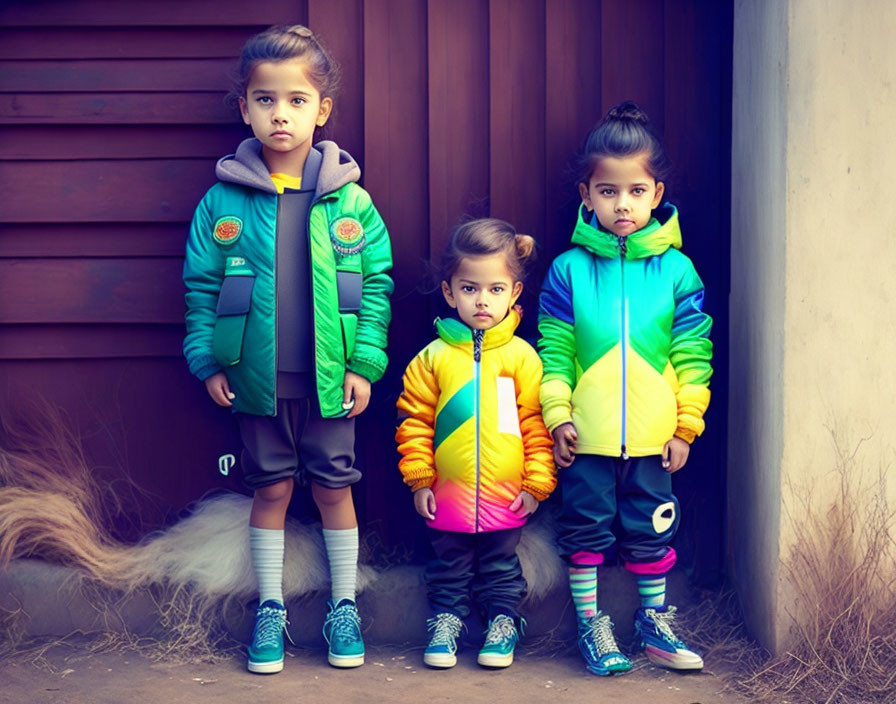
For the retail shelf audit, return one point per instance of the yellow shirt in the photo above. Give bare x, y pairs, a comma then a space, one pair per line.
284, 181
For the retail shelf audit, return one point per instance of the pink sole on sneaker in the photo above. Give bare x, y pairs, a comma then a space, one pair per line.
680, 660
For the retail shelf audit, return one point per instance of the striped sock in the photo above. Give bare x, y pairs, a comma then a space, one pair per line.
266, 547
652, 590
342, 552
583, 585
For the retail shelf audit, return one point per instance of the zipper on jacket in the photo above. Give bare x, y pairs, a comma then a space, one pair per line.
311, 205
477, 363
623, 334
276, 321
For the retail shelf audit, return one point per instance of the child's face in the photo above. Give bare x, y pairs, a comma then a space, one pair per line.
622, 193
283, 107
482, 290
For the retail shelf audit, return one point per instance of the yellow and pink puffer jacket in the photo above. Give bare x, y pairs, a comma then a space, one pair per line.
470, 426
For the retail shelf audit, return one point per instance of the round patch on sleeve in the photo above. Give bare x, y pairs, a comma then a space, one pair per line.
347, 236
228, 229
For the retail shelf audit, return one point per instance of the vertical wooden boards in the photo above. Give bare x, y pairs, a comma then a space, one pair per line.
112, 116
339, 24
632, 38
697, 119
396, 158
458, 114
517, 114
572, 107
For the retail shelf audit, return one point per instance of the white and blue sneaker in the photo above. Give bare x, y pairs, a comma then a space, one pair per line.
598, 646
266, 650
500, 640
442, 648
342, 629
653, 634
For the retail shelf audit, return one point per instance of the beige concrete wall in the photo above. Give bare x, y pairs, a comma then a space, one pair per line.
813, 280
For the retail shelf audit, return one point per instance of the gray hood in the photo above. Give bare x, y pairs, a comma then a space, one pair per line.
334, 168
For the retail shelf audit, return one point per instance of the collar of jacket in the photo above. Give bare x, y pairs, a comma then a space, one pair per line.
327, 165
456, 333
660, 233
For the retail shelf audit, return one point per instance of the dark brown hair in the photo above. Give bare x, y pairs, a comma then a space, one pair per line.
484, 237
624, 131
284, 42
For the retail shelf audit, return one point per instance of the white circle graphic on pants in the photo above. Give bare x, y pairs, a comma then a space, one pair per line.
664, 517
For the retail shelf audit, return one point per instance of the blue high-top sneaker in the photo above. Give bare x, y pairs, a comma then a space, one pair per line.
442, 648
500, 640
653, 634
266, 650
598, 646
342, 629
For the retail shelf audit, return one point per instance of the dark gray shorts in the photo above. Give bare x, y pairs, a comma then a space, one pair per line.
298, 443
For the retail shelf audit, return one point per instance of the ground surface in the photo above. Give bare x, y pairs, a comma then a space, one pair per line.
72, 675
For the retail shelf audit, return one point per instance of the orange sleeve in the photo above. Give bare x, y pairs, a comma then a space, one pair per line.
540, 474
416, 422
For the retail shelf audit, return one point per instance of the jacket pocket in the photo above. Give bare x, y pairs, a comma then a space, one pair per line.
348, 286
234, 303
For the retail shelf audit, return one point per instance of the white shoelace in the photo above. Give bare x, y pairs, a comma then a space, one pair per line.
346, 623
446, 629
502, 628
602, 634
270, 623
663, 621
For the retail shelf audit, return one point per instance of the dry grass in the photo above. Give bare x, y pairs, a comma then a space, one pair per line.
54, 507
842, 568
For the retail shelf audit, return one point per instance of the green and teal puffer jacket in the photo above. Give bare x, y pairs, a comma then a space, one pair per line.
624, 340
230, 270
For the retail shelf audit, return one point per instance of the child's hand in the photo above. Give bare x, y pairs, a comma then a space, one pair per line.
565, 437
524, 504
219, 389
675, 454
355, 393
425, 503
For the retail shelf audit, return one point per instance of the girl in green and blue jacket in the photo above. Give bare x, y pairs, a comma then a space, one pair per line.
287, 274
626, 353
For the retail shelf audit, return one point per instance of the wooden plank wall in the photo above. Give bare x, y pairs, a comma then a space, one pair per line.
111, 118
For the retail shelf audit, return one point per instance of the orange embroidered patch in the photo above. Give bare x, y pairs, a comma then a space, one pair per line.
347, 236
228, 229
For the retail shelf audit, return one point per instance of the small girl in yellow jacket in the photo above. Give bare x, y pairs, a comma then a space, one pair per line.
474, 448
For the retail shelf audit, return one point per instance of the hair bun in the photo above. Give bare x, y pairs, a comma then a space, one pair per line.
301, 30
627, 110
525, 245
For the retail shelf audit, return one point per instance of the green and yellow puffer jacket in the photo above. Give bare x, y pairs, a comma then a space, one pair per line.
624, 340
230, 271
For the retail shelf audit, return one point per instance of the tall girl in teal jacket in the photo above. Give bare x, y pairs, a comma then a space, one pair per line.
626, 352
287, 275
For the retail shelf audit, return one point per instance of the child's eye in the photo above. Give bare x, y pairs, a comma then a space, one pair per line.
467, 289
607, 192
639, 191
497, 289
298, 101
265, 100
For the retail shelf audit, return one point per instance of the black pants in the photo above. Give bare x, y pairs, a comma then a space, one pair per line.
485, 562
597, 489
298, 443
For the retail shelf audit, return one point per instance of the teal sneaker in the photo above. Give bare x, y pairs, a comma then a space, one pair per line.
500, 640
653, 634
342, 629
598, 645
442, 646
266, 650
